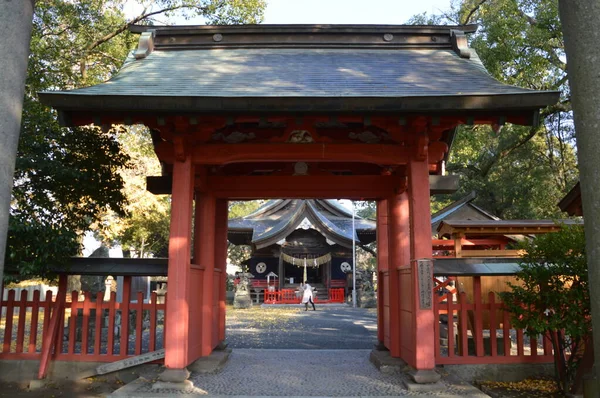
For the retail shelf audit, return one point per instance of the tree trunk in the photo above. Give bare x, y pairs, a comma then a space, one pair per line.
581, 34
15, 31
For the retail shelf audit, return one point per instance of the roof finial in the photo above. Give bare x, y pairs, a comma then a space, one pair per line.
459, 43
145, 45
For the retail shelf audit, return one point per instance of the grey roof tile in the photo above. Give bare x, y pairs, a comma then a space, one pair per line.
302, 72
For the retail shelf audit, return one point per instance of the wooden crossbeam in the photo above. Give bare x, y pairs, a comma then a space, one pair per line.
217, 154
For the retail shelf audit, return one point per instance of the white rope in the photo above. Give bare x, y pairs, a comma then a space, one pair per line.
302, 262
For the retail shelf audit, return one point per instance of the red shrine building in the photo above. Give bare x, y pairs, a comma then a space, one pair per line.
300, 112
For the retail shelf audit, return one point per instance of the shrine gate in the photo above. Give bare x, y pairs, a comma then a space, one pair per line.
307, 111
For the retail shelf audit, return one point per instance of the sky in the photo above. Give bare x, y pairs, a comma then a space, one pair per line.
348, 11
335, 11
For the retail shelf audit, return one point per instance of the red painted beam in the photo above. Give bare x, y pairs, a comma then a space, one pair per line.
242, 187
217, 154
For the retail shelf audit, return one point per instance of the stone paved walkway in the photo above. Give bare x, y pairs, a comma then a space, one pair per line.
289, 352
314, 373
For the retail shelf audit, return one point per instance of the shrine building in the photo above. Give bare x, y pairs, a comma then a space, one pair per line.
301, 112
296, 237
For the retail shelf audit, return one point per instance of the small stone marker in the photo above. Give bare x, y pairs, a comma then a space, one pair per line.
129, 362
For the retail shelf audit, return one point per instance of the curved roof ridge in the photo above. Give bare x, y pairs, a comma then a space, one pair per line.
335, 207
330, 227
281, 229
271, 206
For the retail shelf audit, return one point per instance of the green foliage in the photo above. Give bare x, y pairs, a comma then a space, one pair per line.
551, 296
68, 181
33, 245
241, 208
237, 254
144, 230
524, 182
521, 172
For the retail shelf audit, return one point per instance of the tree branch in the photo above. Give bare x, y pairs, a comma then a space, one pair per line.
124, 27
368, 249
473, 11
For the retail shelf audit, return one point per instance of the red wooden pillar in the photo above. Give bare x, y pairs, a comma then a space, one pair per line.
205, 256
383, 303
421, 264
178, 319
221, 262
400, 296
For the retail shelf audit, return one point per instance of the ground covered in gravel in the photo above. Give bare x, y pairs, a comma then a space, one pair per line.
339, 327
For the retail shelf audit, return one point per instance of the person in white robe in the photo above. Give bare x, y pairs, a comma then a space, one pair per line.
307, 297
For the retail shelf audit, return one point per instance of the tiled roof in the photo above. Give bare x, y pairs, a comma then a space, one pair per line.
277, 219
418, 69
302, 72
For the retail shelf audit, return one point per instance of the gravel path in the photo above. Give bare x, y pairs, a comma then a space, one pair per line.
339, 327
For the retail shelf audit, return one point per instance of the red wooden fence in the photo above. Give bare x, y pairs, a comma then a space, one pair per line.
79, 337
291, 296
470, 341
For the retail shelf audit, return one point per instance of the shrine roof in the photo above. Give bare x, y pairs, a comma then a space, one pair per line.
454, 209
502, 227
571, 203
487, 266
276, 219
306, 68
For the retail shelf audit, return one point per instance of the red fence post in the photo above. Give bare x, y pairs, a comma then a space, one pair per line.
124, 342
450, 309
73, 322
139, 317
98, 323
35, 308
478, 312
493, 324
10, 305
153, 310
110, 344
21, 322
85, 325
464, 341
50, 338
506, 331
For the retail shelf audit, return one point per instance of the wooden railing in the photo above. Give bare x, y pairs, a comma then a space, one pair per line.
291, 296
126, 328
443, 248
481, 332
336, 295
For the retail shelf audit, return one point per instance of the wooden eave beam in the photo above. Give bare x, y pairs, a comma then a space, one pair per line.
354, 187
533, 230
254, 187
218, 154
77, 109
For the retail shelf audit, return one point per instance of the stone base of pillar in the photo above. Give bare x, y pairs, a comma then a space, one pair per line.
222, 346
379, 346
212, 363
186, 385
429, 387
176, 379
425, 376
383, 361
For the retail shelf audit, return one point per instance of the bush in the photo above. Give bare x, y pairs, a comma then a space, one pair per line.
552, 298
